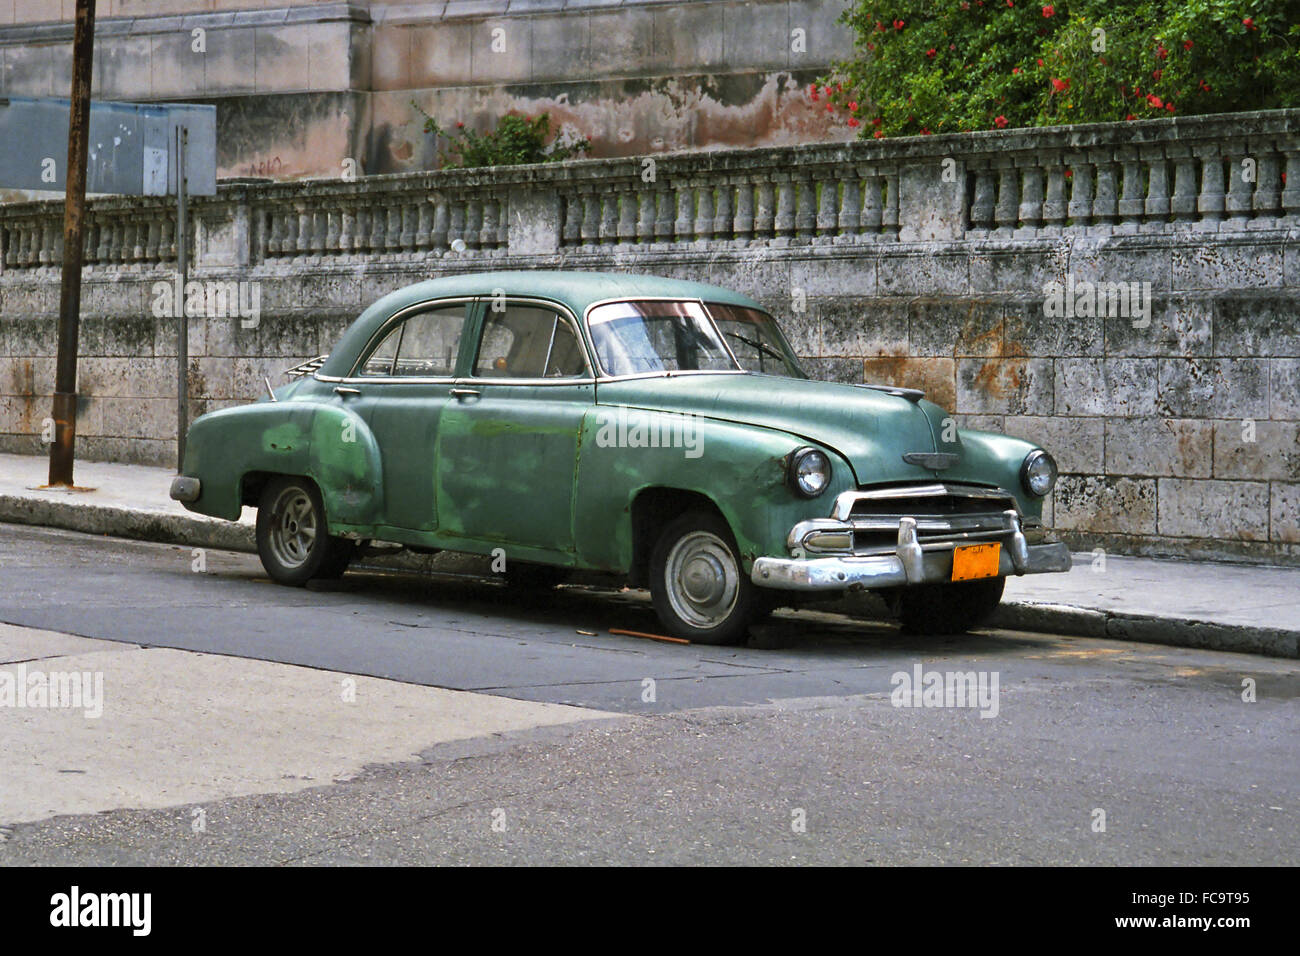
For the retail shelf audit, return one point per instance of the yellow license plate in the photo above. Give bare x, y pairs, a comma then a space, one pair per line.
976, 561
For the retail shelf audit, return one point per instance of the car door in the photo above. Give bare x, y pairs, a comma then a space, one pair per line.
508, 438
399, 388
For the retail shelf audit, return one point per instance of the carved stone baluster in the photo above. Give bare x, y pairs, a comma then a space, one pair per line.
393, 229
305, 227
1132, 204
1008, 204
1054, 206
805, 217
645, 218
631, 205
1030, 211
276, 219
872, 204
1239, 200
1268, 192
665, 202
378, 225
590, 219
684, 224
487, 235
889, 216
828, 207
1105, 206
406, 238
744, 219
347, 227
572, 232
704, 211
456, 230
473, 223
783, 226
850, 211
1183, 203
1080, 207
765, 210
151, 241
609, 213
1156, 207
441, 223
1210, 202
722, 211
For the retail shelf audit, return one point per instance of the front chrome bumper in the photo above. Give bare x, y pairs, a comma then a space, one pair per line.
910, 563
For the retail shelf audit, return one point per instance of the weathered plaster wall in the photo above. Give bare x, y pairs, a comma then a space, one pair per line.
300, 88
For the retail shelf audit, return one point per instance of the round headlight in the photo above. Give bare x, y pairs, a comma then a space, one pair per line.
810, 472
1038, 473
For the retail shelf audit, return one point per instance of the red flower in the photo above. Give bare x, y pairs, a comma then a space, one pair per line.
853, 106
852, 121
1161, 51
1169, 107
1154, 101
1205, 87
1187, 44
1248, 23
930, 53
1011, 3
1040, 61
1060, 86
899, 24
814, 95
924, 131
876, 121
1000, 122
1015, 70
830, 107
871, 47
877, 134
965, 5
459, 124
880, 27
1069, 174
1049, 11
1130, 116
1155, 74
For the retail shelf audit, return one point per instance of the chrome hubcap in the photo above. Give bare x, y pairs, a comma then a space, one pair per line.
702, 579
293, 527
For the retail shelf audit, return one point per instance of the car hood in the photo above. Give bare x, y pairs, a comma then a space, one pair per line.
873, 429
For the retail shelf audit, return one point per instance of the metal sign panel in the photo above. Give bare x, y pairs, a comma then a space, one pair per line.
131, 146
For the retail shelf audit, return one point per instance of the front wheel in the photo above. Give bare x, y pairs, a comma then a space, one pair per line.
951, 608
700, 591
293, 540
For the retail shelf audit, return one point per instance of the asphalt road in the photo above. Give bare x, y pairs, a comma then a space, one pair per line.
791, 752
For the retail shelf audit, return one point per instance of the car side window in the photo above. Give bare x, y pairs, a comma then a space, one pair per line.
528, 341
424, 346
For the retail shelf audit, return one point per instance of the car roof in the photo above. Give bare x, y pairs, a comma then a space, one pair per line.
574, 290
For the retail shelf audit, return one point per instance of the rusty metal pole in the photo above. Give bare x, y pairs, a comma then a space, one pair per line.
74, 205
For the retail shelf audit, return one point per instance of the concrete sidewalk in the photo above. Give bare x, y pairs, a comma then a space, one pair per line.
1250, 609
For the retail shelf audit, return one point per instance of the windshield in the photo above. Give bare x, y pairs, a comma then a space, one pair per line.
636, 337
755, 340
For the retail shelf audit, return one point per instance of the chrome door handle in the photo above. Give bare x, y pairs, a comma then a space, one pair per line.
465, 393
345, 391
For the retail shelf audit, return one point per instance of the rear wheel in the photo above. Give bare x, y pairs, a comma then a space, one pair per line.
293, 539
951, 608
699, 587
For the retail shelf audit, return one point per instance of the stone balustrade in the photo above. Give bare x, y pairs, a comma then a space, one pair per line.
1215, 173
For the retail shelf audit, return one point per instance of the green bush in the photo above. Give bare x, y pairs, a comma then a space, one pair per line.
943, 66
516, 140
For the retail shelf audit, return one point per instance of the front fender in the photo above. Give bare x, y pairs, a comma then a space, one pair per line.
740, 468
328, 443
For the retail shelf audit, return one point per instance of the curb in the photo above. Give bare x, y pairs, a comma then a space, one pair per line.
202, 532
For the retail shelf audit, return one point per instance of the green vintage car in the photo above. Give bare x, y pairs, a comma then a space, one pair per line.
651, 427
